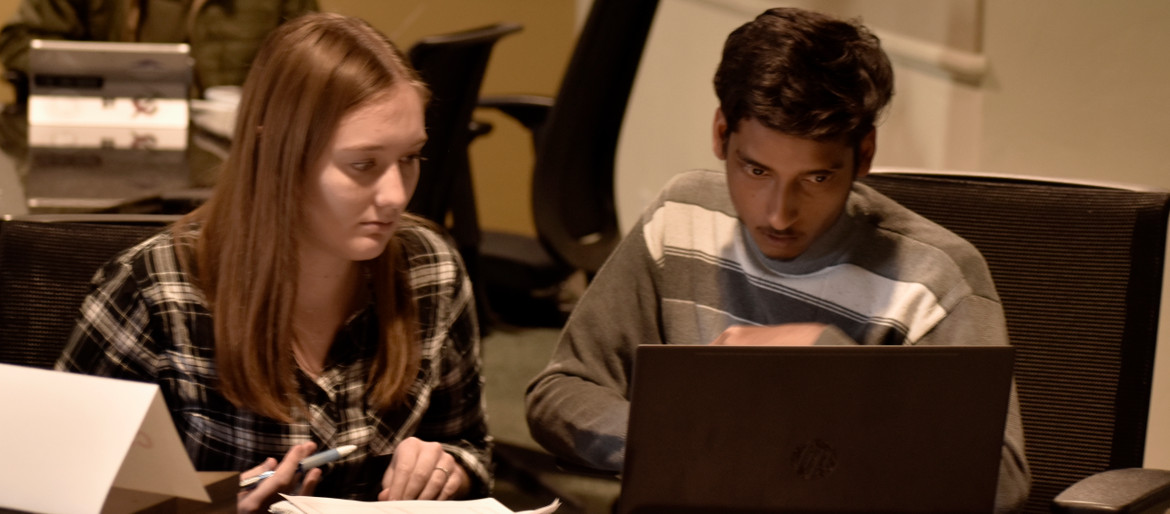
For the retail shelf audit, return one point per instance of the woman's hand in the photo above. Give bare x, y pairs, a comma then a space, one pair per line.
421, 470
284, 480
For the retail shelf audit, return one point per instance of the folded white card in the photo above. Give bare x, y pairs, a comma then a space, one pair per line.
68, 438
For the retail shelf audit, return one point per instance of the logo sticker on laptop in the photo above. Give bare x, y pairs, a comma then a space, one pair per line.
814, 459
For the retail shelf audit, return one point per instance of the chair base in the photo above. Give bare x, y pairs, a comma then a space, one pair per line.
524, 284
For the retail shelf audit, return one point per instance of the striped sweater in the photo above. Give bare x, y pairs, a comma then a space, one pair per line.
688, 270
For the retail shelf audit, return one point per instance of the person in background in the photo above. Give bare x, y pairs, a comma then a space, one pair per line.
224, 34
783, 247
301, 308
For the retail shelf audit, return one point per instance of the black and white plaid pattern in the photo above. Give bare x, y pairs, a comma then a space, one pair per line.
144, 320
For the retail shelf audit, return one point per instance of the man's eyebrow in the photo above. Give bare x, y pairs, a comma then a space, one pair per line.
751, 162
835, 167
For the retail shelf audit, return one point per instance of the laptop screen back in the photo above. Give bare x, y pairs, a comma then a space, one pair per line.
829, 429
110, 69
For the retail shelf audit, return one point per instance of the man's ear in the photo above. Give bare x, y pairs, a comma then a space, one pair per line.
719, 135
865, 152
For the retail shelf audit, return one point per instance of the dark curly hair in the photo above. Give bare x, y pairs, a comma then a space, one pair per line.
804, 74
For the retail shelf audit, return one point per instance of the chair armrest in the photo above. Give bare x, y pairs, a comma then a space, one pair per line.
530, 110
1132, 490
20, 90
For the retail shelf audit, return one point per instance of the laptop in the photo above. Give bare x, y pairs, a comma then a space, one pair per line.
109, 69
109, 84
815, 429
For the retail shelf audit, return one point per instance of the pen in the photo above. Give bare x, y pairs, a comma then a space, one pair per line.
315, 460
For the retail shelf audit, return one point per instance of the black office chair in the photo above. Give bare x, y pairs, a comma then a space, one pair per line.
46, 263
575, 138
453, 66
1079, 270
20, 90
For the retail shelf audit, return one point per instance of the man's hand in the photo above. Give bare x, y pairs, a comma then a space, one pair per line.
283, 481
422, 470
790, 334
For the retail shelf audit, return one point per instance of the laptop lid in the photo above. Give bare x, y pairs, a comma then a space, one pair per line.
109, 69
109, 84
815, 429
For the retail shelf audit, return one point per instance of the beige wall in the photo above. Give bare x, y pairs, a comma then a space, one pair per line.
1078, 88
7, 7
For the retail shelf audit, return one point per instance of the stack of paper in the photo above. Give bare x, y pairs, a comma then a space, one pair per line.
312, 505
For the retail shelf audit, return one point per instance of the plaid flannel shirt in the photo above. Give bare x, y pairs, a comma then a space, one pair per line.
144, 320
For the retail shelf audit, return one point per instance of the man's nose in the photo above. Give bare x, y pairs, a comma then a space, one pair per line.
783, 206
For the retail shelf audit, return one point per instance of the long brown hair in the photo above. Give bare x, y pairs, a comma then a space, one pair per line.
309, 73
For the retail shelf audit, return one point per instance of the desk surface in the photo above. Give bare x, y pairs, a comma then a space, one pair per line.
102, 177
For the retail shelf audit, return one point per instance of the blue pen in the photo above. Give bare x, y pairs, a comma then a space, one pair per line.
310, 462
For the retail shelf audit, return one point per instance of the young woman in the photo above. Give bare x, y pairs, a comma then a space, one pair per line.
301, 309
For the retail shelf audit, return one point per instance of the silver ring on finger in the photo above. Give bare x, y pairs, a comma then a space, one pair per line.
444, 470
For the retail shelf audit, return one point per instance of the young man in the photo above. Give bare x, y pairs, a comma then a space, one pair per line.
785, 247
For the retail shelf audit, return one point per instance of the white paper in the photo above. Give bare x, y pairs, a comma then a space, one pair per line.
67, 438
313, 505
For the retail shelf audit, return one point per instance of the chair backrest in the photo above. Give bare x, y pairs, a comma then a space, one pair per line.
453, 67
1079, 270
46, 264
573, 196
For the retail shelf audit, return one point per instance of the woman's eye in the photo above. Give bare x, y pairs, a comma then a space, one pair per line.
411, 159
363, 165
